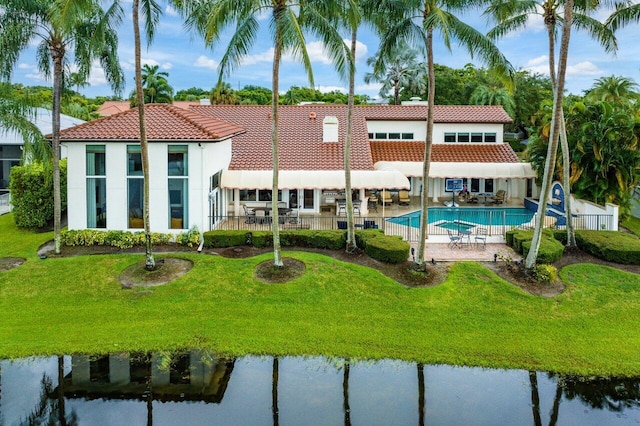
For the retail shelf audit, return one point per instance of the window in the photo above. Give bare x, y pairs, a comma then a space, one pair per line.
370, 135
135, 187
475, 185
248, 195
265, 195
476, 137
488, 185
490, 137
394, 135
381, 135
407, 136
463, 137
177, 163
449, 137
96, 187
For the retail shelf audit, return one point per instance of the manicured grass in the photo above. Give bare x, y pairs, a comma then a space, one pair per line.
632, 223
70, 305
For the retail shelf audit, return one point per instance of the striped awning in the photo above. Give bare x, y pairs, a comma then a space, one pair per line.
462, 170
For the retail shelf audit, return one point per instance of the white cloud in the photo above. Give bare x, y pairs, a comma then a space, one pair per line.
130, 65
266, 56
539, 65
149, 61
361, 49
327, 89
170, 11
24, 66
166, 66
35, 76
371, 87
585, 68
204, 62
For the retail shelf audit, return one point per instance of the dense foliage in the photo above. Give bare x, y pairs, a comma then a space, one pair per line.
31, 189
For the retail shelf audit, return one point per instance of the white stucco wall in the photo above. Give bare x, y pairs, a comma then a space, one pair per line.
203, 161
419, 130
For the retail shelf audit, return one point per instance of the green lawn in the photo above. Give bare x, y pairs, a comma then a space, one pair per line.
70, 305
632, 223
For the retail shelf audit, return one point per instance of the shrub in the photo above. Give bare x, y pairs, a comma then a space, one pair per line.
550, 249
191, 238
31, 189
261, 238
120, 239
364, 235
542, 273
225, 238
387, 248
613, 246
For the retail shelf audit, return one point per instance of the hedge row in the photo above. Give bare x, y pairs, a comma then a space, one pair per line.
550, 248
125, 239
390, 249
613, 246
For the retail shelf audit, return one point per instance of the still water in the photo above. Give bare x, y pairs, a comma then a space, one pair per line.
195, 388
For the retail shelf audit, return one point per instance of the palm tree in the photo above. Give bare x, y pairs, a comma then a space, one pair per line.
614, 89
402, 72
513, 15
557, 126
24, 21
155, 85
78, 81
223, 94
16, 114
624, 14
416, 21
492, 95
287, 21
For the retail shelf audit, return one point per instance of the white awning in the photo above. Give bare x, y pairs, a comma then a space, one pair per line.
382, 178
463, 170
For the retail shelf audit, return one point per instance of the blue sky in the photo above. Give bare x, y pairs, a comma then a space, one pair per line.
189, 63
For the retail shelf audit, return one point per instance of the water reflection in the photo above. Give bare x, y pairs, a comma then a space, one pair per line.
198, 388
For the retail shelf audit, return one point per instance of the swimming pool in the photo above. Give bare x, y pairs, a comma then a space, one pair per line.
449, 218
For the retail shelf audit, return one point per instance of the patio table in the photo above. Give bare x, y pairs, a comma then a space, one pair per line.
485, 195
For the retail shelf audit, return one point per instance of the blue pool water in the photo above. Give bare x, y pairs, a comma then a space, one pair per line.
448, 217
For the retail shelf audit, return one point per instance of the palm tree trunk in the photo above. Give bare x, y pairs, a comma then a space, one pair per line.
421, 393
351, 237
150, 263
274, 392
535, 398
57, 53
566, 181
345, 395
553, 136
277, 53
426, 162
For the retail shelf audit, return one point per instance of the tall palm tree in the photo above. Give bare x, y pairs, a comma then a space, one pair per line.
287, 22
24, 21
415, 21
402, 71
624, 14
557, 127
512, 15
151, 12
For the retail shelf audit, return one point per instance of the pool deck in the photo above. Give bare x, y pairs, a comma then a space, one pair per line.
441, 252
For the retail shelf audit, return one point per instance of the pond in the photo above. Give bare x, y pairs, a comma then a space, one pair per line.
195, 388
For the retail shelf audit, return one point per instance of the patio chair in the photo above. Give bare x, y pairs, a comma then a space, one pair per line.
499, 197
372, 204
342, 224
385, 197
261, 217
292, 217
481, 237
250, 214
454, 240
404, 198
472, 199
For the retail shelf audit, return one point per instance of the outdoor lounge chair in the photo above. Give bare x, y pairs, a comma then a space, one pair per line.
404, 198
481, 237
370, 224
342, 224
454, 240
250, 214
499, 197
385, 197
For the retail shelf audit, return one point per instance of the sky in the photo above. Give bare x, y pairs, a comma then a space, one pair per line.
191, 64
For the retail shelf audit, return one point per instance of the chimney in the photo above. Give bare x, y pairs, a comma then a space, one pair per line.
330, 129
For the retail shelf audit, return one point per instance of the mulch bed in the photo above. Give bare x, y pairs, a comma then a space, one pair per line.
167, 270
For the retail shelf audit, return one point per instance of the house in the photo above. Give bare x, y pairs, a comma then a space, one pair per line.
187, 154
11, 143
206, 162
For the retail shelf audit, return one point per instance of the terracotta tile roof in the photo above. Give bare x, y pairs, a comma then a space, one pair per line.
113, 107
443, 153
164, 122
441, 113
300, 139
